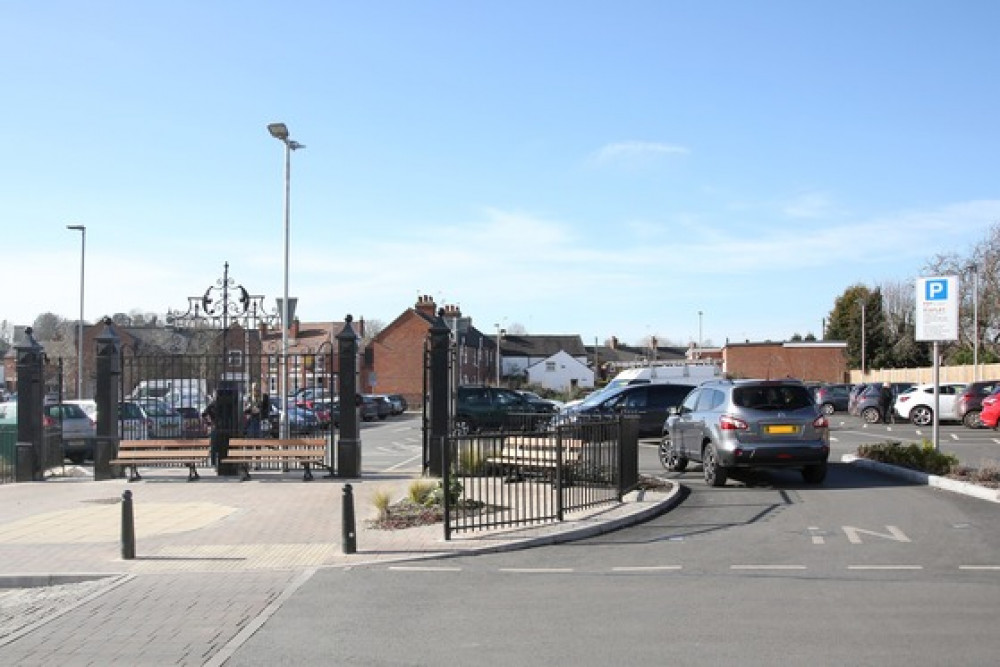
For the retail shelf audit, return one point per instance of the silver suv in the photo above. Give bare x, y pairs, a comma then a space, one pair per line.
726, 424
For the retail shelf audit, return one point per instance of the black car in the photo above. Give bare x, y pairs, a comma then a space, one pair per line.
651, 402
495, 408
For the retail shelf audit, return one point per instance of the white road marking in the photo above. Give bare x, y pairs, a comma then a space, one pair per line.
767, 567
648, 568
954, 436
403, 463
885, 567
537, 570
854, 534
423, 568
980, 567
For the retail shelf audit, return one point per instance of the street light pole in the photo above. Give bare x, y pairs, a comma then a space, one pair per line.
975, 323
280, 132
79, 353
500, 333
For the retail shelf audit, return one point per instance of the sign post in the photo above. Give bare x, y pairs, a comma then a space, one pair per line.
937, 320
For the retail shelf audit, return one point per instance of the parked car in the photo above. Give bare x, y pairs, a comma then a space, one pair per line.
495, 408
970, 401
866, 400
193, 423
532, 396
164, 421
133, 422
78, 430
369, 408
731, 424
301, 421
651, 402
990, 414
383, 405
832, 397
398, 403
917, 404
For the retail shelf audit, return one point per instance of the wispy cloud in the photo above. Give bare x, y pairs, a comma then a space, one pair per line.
629, 151
808, 205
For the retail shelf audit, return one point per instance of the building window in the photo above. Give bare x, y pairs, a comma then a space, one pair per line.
550, 367
235, 359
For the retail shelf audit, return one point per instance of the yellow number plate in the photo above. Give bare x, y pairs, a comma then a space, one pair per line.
781, 429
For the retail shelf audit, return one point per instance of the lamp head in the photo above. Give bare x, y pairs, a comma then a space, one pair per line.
278, 130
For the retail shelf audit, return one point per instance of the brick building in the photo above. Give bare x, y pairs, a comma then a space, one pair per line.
820, 361
396, 354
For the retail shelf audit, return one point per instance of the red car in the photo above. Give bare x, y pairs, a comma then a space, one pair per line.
991, 410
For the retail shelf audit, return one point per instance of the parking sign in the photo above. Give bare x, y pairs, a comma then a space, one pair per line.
937, 308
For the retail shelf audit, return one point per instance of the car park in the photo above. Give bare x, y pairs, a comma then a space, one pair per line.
650, 402
740, 424
832, 397
399, 403
917, 404
970, 401
369, 408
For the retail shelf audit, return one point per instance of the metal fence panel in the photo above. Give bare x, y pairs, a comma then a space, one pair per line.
523, 477
8, 453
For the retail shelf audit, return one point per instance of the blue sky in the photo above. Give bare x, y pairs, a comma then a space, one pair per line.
592, 168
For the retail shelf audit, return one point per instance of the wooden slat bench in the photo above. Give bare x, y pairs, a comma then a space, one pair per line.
190, 453
522, 454
306, 452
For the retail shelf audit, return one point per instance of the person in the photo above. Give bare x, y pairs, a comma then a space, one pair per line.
885, 401
210, 415
265, 411
252, 412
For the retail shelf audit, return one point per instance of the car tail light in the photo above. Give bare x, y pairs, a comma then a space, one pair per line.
989, 400
47, 421
821, 422
730, 423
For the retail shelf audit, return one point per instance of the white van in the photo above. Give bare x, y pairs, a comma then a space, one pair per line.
686, 373
177, 392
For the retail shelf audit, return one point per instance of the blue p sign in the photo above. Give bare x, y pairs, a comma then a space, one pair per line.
936, 290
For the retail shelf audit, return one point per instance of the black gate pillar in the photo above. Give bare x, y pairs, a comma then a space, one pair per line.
30, 397
440, 395
109, 371
349, 442
226, 424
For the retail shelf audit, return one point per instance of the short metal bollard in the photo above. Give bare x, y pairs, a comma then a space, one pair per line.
350, 537
128, 527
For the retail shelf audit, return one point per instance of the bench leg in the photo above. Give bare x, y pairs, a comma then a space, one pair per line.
134, 475
246, 472
307, 475
193, 474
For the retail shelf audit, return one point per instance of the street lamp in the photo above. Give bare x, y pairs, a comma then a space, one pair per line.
79, 353
975, 323
500, 334
280, 132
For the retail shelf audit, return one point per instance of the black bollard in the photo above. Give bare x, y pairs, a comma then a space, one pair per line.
128, 527
350, 538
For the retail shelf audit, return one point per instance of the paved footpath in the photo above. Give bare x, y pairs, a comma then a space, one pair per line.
214, 558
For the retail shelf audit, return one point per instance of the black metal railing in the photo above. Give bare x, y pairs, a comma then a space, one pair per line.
526, 476
8, 453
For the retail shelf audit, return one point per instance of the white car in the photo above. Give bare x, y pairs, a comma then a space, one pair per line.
133, 422
916, 404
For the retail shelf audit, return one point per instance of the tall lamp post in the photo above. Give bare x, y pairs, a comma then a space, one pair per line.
79, 336
975, 323
280, 132
500, 334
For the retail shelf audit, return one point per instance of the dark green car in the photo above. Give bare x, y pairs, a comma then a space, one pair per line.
498, 409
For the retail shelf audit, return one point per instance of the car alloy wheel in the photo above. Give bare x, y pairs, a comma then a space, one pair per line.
828, 409
971, 419
668, 455
715, 474
871, 415
921, 415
